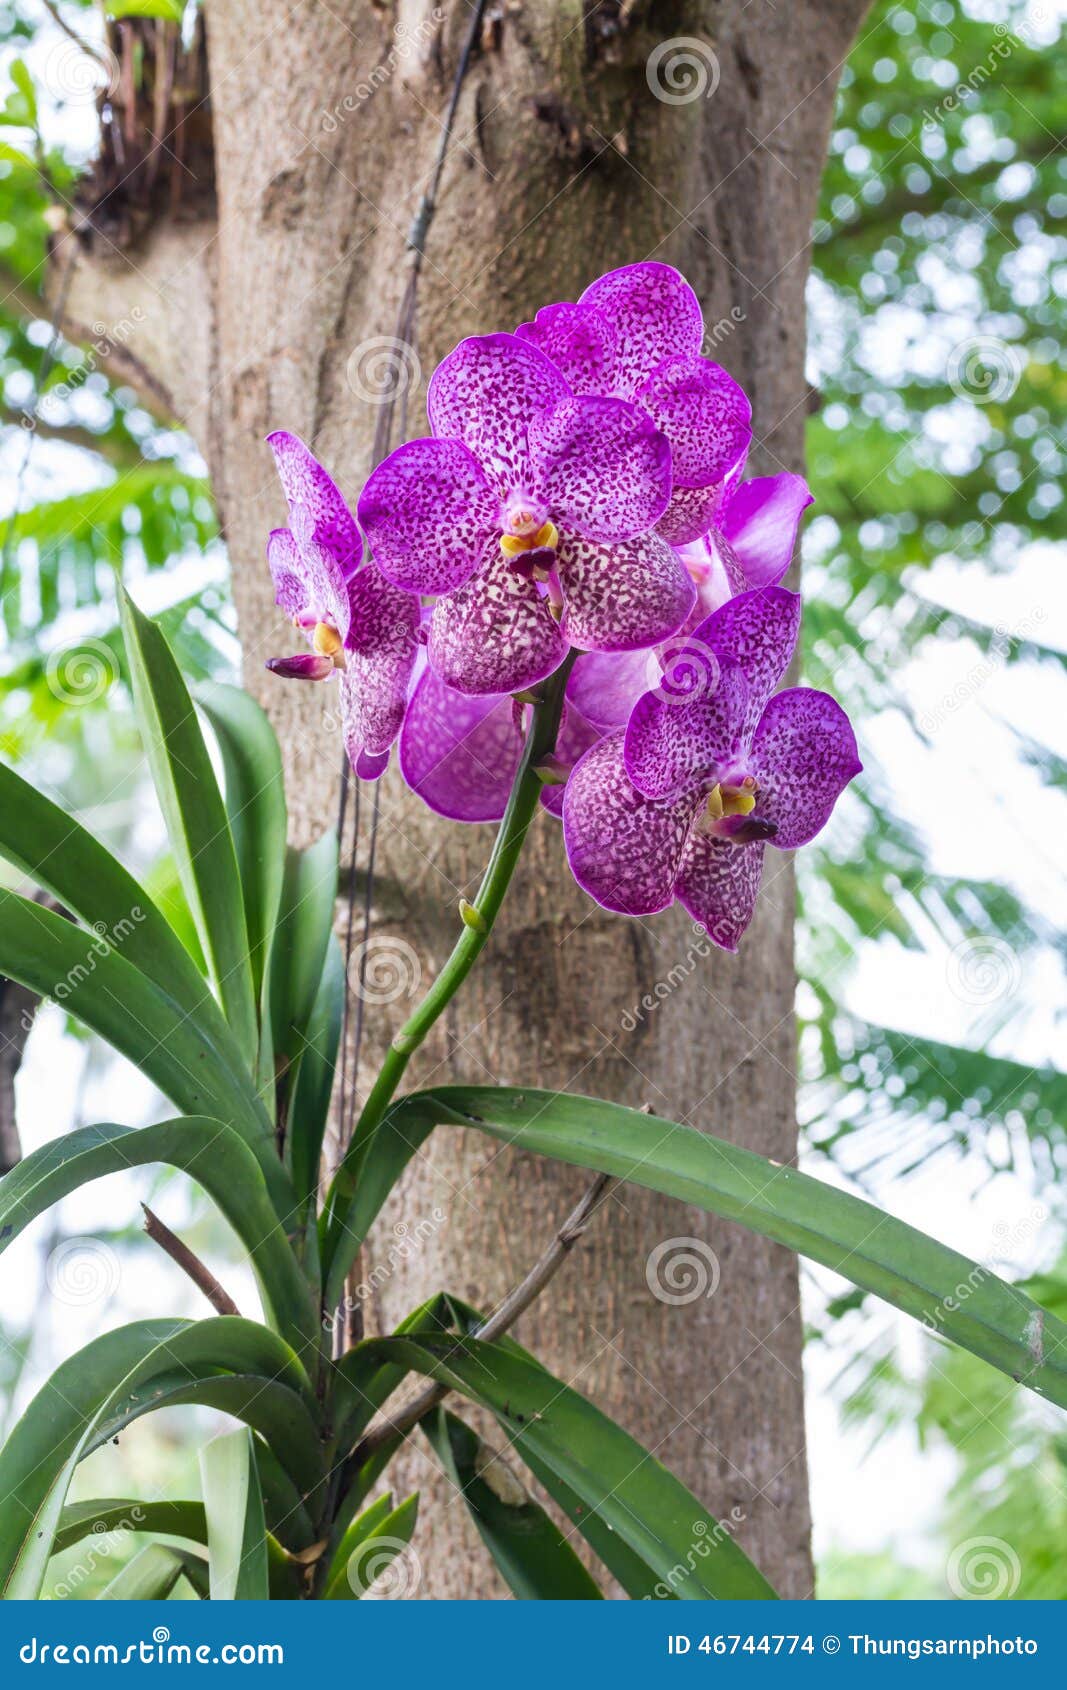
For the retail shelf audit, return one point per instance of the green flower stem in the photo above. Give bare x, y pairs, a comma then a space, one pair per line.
478, 919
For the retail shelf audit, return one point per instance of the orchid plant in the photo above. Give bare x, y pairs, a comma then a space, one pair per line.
567, 597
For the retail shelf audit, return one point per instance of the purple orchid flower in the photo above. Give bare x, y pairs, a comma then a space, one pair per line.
358, 624
751, 540
636, 334
530, 512
710, 767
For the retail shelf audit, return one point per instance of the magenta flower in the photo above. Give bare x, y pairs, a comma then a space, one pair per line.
358, 624
530, 512
680, 803
636, 335
750, 542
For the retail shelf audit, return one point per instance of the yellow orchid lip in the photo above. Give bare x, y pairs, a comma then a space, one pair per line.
546, 538
327, 642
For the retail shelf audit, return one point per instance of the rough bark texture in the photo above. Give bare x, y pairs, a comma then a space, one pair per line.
565, 163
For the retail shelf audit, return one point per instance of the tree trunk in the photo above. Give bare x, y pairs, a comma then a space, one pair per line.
566, 161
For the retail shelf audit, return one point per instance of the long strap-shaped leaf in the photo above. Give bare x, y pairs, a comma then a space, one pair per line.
59, 854
948, 1292
196, 818
236, 1529
227, 1362
527, 1547
97, 985
651, 1510
206, 1150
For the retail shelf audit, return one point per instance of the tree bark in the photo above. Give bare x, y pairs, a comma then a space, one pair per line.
564, 164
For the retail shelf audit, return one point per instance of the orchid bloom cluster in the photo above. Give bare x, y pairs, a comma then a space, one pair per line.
581, 491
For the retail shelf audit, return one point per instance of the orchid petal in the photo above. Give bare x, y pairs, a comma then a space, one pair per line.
759, 523
690, 729
759, 631
576, 735
718, 885
307, 666
624, 849
705, 416
601, 467
459, 753
287, 572
427, 511
654, 313
317, 510
486, 393
622, 597
604, 686
803, 756
496, 633
578, 340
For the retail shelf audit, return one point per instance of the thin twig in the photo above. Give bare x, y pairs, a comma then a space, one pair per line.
79, 40
504, 1316
201, 1276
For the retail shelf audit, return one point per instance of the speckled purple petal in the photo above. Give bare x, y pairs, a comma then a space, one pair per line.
759, 631
316, 507
622, 597
600, 467
486, 393
380, 655
688, 731
803, 756
690, 514
287, 572
718, 885
759, 523
427, 511
496, 633
384, 619
604, 686
460, 753
624, 849
579, 341
705, 416
655, 314
576, 735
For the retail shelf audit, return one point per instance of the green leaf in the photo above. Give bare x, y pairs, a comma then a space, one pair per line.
204, 1149
358, 1529
308, 1108
56, 852
236, 1529
535, 1559
362, 1184
20, 108
227, 1363
946, 1291
375, 1548
170, 10
305, 922
107, 1514
653, 1513
150, 1576
96, 984
255, 805
196, 818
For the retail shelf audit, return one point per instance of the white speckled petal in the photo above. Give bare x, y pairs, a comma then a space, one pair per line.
428, 511
621, 597
287, 573
759, 631
718, 885
624, 849
803, 756
655, 314
496, 633
317, 511
705, 416
690, 729
600, 467
486, 393
579, 341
